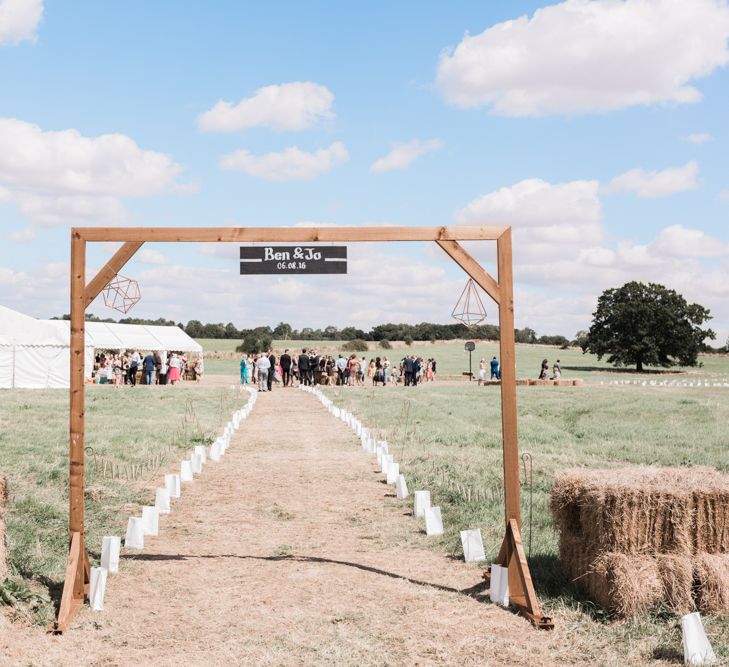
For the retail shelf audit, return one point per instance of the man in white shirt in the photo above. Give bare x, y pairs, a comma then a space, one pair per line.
264, 365
341, 366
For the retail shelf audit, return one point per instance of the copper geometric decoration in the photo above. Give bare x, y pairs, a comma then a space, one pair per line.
121, 294
469, 308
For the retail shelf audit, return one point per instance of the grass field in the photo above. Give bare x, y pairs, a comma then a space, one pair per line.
446, 436
124, 428
453, 359
448, 440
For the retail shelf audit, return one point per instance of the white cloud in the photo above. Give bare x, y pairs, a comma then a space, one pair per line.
292, 164
678, 241
285, 107
66, 162
580, 56
534, 203
149, 256
19, 20
561, 244
23, 236
403, 155
60, 177
699, 138
51, 210
657, 183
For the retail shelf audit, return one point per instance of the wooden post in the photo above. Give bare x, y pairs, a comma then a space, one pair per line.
521, 590
75, 587
508, 380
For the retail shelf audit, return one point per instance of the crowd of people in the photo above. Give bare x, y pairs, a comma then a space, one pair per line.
129, 367
312, 368
556, 370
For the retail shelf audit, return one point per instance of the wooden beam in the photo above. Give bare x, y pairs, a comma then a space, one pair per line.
74, 587
508, 380
472, 268
287, 234
109, 270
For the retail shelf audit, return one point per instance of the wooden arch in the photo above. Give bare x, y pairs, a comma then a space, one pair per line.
511, 555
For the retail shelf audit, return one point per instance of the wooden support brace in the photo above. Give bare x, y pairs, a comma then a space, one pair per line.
75, 586
472, 268
109, 270
521, 589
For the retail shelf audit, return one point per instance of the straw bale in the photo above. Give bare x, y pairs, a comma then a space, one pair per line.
624, 585
645, 509
578, 383
521, 382
711, 517
563, 383
711, 578
3, 532
677, 577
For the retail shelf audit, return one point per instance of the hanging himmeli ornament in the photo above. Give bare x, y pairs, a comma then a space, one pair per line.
121, 294
469, 308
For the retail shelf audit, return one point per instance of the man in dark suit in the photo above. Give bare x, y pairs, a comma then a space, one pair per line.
272, 370
313, 367
304, 368
286, 368
408, 364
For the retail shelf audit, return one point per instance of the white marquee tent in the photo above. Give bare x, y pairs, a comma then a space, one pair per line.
34, 354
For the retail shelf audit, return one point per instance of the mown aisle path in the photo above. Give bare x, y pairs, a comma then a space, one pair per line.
289, 551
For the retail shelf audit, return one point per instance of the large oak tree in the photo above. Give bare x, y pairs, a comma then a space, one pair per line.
647, 325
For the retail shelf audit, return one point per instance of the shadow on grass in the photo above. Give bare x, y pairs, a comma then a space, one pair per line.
553, 588
478, 592
603, 369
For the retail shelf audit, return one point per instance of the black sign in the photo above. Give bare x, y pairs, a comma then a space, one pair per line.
285, 260
470, 346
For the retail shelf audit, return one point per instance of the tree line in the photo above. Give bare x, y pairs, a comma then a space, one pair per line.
636, 324
422, 332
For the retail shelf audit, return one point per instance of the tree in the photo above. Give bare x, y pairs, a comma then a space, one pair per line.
253, 344
525, 335
283, 331
647, 325
194, 329
356, 345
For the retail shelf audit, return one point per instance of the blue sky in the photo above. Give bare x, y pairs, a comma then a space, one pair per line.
597, 129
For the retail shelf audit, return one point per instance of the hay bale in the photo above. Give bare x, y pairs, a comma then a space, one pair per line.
627, 585
578, 383
521, 382
624, 585
711, 579
563, 383
3, 531
644, 510
677, 578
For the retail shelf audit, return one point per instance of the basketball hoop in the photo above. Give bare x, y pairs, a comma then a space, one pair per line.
121, 294
469, 308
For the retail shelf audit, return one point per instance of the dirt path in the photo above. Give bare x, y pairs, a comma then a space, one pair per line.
290, 551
